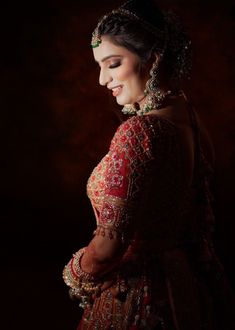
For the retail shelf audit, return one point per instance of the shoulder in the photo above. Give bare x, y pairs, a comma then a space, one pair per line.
142, 132
133, 131
140, 126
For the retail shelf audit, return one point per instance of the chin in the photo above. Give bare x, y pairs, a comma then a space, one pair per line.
122, 101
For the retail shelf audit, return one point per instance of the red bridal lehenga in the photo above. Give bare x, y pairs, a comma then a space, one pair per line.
166, 274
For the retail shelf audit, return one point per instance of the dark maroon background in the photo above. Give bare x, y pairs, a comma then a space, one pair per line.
56, 123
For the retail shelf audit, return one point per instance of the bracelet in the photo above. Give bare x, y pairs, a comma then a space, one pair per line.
83, 286
76, 267
73, 274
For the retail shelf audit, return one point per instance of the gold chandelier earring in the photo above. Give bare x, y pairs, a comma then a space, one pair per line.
154, 95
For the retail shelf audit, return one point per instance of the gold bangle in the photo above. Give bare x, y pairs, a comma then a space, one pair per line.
73, 274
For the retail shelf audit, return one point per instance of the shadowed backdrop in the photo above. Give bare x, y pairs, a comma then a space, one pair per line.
56, 124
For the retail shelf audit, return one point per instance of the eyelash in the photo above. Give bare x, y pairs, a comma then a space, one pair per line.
115, 65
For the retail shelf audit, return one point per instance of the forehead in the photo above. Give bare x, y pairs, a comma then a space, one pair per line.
108, 49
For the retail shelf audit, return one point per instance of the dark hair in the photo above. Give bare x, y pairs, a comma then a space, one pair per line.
155, 32
129, 34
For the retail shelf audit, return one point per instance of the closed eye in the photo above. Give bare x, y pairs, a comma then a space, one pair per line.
114, 65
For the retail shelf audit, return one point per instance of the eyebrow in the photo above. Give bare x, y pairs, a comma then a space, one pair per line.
109, 56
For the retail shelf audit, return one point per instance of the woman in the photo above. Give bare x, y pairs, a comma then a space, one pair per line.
151, 263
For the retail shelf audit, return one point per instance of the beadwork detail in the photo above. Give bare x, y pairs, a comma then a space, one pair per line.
109, 187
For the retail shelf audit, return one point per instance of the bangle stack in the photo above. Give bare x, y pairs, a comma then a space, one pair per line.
82, 285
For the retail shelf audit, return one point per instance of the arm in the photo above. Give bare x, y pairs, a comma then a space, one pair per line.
128, 162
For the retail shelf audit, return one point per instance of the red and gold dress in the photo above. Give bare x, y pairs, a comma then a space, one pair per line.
150, 264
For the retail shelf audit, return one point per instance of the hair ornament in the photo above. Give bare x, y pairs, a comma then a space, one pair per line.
129, 13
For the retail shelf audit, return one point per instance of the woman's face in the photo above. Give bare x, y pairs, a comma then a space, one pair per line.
120, 71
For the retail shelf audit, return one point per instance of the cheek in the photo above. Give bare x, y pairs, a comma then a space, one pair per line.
123, 74
127, 73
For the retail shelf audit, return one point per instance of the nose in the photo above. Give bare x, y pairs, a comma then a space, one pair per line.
104, 77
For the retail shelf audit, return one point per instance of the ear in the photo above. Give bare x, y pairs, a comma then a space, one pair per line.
146, 66
157, 57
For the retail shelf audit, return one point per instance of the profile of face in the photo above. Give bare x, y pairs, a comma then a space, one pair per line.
121, 72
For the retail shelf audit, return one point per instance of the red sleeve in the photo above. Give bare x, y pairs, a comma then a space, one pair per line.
121, 175
126, 167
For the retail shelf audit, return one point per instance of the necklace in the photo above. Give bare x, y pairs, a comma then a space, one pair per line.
153, 101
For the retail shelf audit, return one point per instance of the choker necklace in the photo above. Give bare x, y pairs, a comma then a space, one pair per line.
152, 102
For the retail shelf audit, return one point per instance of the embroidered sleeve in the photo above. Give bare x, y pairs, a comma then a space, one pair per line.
116, 195
129, 155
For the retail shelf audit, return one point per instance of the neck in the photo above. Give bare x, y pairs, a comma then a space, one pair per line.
142, 101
